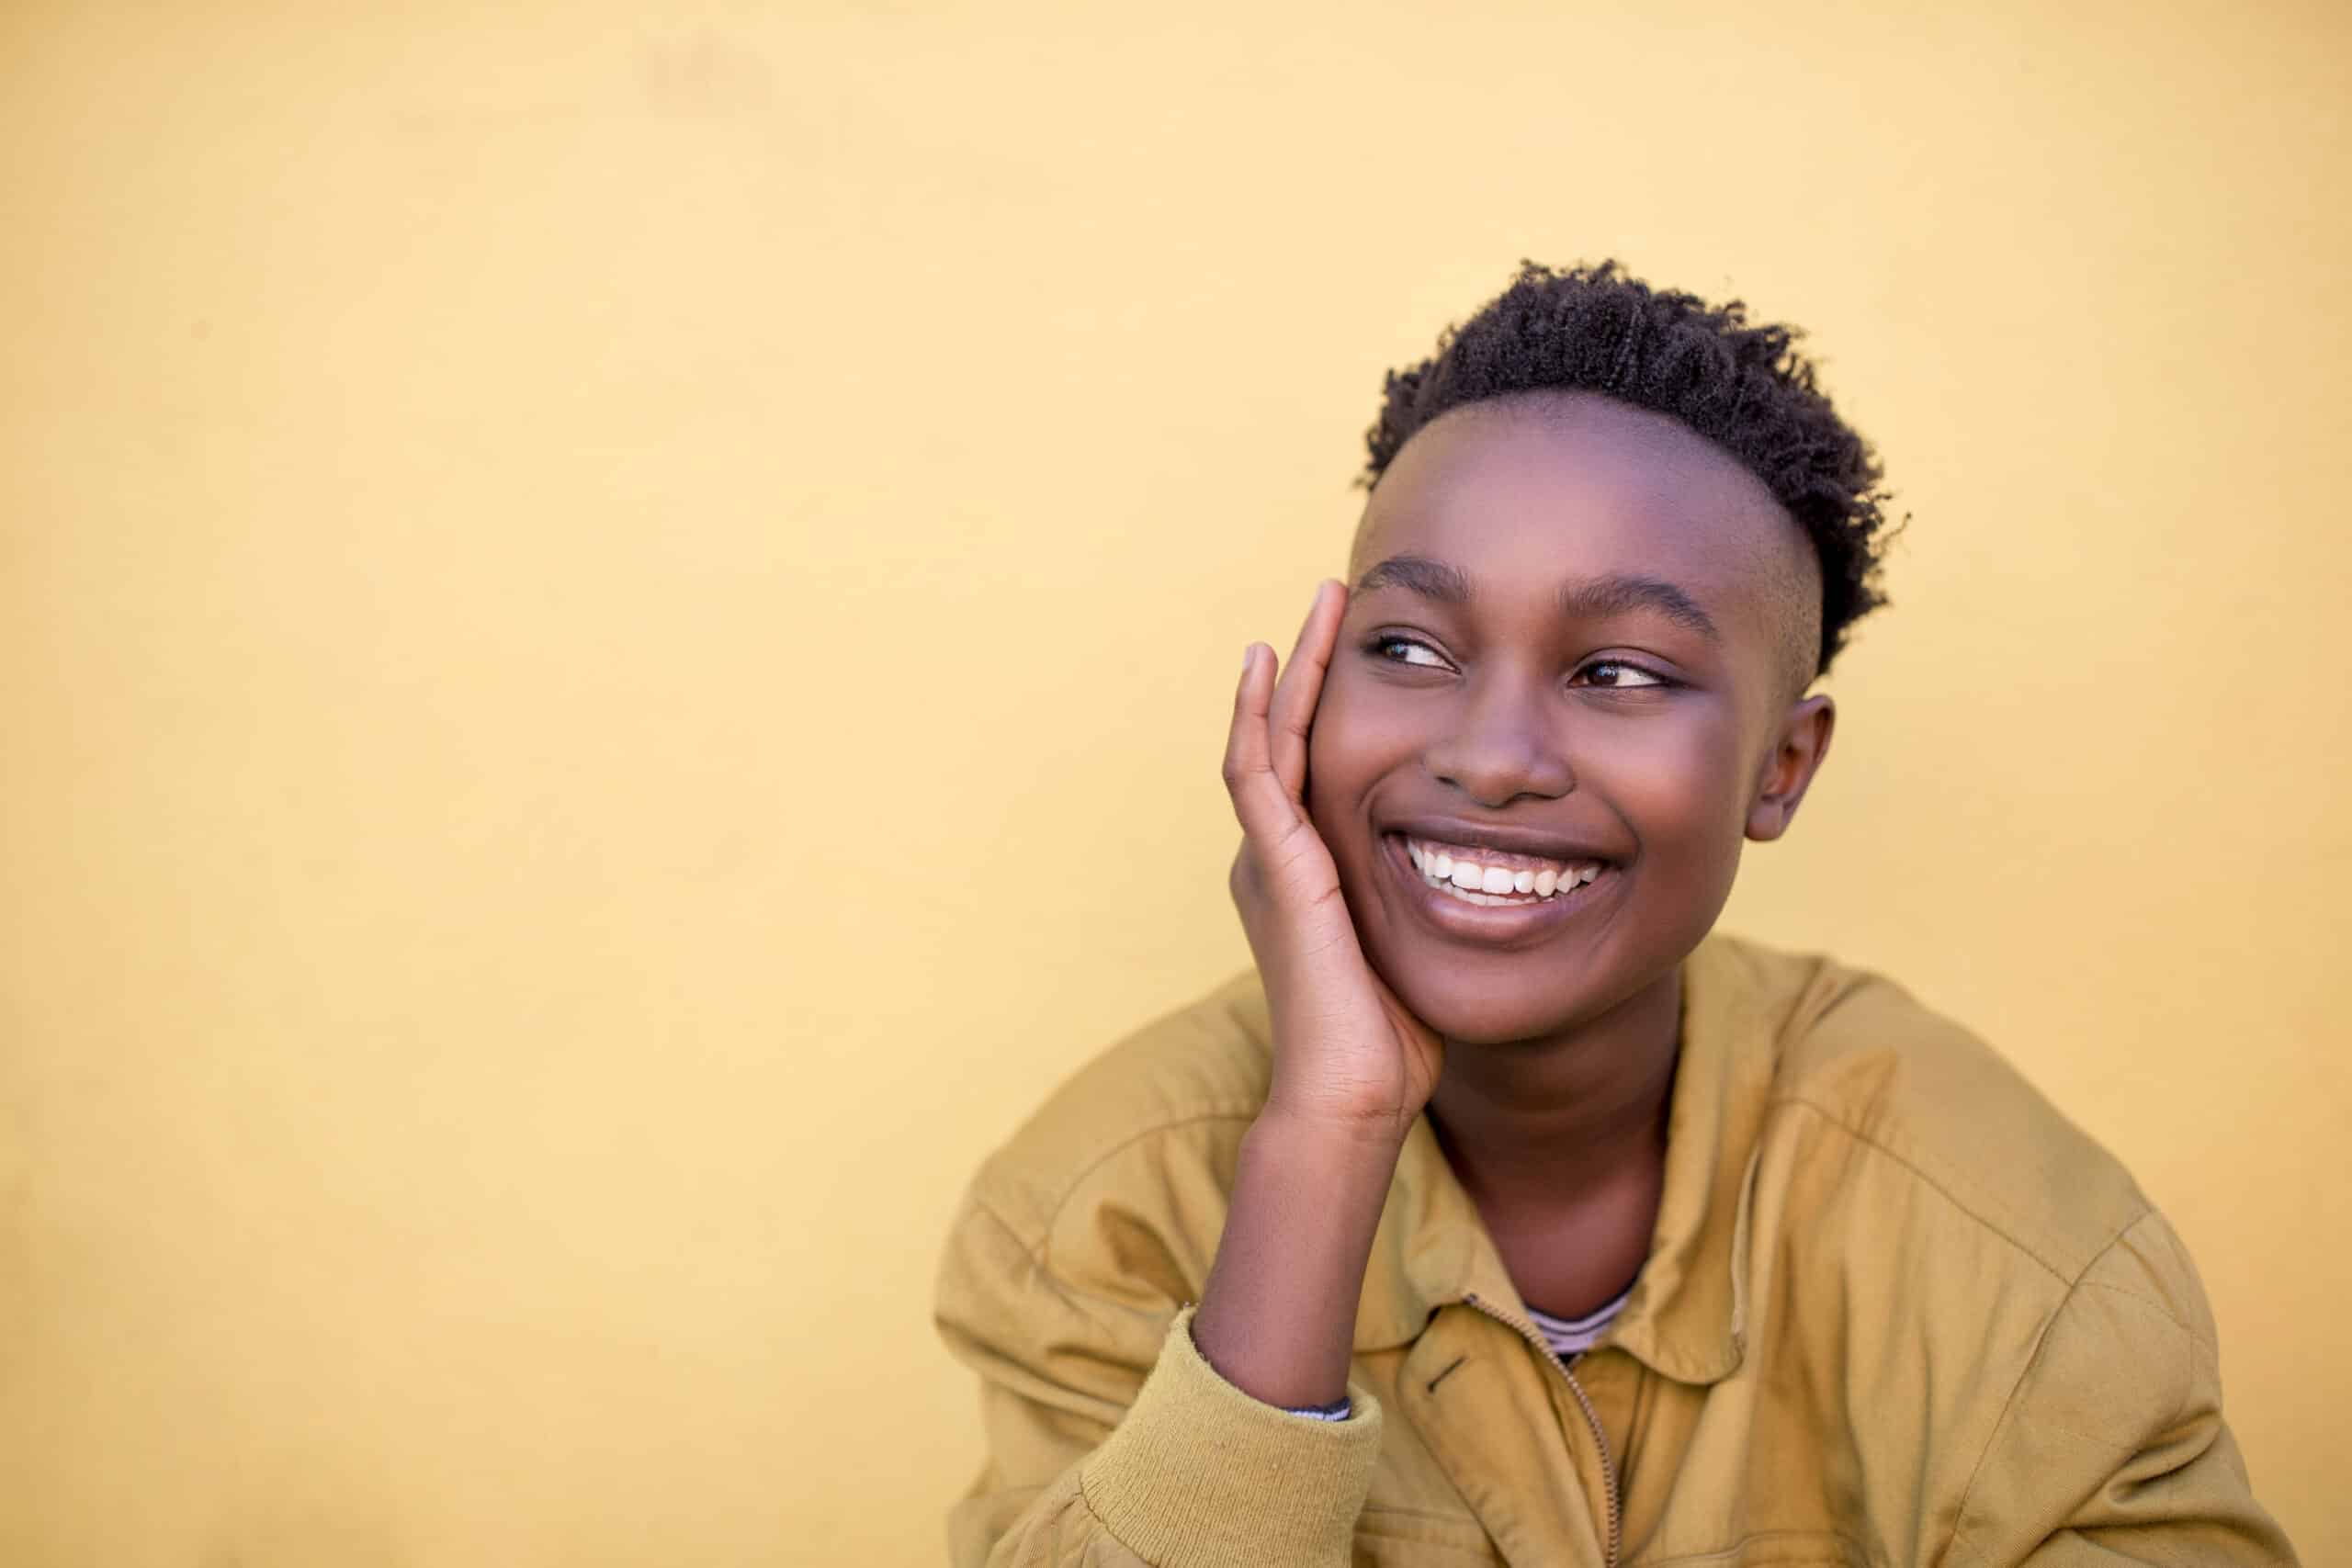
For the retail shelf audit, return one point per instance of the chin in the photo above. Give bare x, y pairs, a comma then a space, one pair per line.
1501, 999
1471, 1010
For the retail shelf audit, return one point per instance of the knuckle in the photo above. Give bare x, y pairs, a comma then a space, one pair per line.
1323, 896
1306, 890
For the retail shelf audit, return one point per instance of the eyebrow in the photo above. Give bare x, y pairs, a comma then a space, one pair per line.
1597, 598
1419, 574
1589, 598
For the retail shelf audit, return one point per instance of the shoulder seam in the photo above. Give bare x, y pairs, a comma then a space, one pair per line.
2196, 1336
1067, 1187
2033, 1359
1069, 1295
1955, 1200
2151, 1303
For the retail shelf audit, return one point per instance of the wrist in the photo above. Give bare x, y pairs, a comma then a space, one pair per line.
1277, 1314
1343, 1137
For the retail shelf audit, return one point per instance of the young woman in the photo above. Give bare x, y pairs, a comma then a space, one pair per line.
1503, 1214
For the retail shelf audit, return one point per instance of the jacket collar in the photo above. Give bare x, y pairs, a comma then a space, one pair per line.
1687, 1315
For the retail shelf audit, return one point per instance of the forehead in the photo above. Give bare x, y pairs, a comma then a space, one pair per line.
1521, 492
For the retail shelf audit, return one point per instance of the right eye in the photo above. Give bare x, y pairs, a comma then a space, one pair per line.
1407, 650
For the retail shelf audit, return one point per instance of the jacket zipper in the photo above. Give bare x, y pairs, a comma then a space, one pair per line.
1591, 1419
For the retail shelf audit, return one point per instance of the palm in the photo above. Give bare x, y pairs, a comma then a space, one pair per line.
1346, 1048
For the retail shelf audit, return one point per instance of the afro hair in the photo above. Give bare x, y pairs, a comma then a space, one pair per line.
1740, 385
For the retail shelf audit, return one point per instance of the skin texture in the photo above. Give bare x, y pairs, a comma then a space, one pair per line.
1544, 1055
1661, 748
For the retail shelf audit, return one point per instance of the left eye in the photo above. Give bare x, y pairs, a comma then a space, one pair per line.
1405, 650
1617, 674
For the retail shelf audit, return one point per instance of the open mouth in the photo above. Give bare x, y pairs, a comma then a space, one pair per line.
1488, 877
1489, 894
1465, 876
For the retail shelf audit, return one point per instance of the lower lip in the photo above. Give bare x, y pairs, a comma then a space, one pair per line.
1488, 922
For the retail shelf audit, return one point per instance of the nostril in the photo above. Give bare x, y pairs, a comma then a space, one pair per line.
1494, 775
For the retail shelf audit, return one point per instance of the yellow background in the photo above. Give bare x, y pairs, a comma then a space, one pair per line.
615, 621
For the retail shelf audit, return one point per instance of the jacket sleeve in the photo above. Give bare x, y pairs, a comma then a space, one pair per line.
2112, 1449
1111, 1443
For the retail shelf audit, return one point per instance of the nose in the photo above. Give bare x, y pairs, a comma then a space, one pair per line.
1508, 742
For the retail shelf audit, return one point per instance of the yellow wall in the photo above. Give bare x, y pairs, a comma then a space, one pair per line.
615, 625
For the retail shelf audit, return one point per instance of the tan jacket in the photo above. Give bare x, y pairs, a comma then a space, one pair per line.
1896, 1310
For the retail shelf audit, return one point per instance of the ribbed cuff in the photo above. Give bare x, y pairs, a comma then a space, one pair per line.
1200, 1475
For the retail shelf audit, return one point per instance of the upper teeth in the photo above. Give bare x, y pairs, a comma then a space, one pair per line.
1482, 871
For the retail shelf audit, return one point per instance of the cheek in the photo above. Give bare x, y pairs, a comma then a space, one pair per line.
1359, 737
1680, 787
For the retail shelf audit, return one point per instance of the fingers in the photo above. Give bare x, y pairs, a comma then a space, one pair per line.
1291, 712
1264, 807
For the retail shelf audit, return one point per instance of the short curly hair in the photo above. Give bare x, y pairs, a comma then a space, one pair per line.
1741, 386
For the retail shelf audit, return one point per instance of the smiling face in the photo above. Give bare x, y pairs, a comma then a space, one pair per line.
1576, 644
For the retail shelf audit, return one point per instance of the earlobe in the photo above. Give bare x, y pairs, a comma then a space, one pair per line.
1797, 752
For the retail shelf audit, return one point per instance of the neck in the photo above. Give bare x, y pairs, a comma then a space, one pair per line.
1554, 1124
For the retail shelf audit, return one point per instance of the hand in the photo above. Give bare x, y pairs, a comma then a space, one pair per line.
1348, 1055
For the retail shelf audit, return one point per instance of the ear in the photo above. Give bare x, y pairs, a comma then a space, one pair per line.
1802, 743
